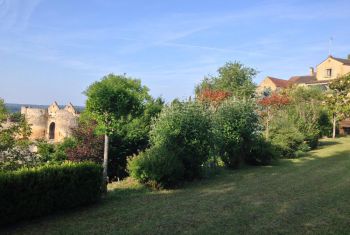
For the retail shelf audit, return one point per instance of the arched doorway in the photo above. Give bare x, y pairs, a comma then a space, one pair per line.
52, 131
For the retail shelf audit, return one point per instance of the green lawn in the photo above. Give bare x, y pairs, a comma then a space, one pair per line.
306, 195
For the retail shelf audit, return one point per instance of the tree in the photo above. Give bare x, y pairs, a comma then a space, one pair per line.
338, 99
270, 105
213, 97
3, 111
14, 140
234, 78
89, 145
112, 102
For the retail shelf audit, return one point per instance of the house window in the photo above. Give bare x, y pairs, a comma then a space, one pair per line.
328, 73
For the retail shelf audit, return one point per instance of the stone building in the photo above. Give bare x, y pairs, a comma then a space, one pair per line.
328, 70
53, 123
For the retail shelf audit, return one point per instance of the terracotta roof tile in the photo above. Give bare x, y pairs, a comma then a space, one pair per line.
279, 82
302, 79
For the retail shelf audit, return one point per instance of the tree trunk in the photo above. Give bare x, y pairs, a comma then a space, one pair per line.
334, 125
105, 166
267, 124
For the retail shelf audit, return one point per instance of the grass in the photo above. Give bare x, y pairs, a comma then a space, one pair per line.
310, 195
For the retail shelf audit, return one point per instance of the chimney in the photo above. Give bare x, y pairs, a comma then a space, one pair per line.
312, 71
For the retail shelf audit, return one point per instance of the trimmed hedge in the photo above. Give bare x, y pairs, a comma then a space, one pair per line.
33, 192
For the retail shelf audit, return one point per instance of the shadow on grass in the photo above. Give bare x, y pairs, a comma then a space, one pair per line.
230, 198
327, 143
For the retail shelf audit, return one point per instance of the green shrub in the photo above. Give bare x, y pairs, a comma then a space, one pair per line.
286, 137
158, 167
180, 136
235, 125
49, 152
32, 192
262, 152
185, 130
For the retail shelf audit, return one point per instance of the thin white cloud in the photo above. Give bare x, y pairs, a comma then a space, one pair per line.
15, 14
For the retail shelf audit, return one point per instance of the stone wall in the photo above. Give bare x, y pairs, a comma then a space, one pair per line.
52, 124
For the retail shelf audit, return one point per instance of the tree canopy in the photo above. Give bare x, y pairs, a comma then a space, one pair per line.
115, 98
338, 99
234, 78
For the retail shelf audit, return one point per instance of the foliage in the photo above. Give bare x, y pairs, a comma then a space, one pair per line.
325, 123
213, 97
14, 142
185, 130
286, 137
262, 152
132, 138
114, 99
28, 193
337, 99
18, 157
158, 166
235, 125
113, 102
305, 110
129, 139
180, 136
88, 144
292, 119
270, 105
57, 152
234, 78
14, 134
3, 111
308, 190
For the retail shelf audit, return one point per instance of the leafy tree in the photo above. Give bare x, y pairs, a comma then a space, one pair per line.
270, 106
132, 138
338, 99
213, 98
88, 144
113, 101
14, 140
306, 110
3, 111
234, 78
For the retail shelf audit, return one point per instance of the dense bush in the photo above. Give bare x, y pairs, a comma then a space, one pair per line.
262, 152
180, 137
57, 152
286, 137
158, 167
235, 126
32, 192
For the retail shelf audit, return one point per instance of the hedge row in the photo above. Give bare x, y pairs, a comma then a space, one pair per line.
29, 193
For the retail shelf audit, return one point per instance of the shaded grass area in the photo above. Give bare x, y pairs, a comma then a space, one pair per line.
295, 196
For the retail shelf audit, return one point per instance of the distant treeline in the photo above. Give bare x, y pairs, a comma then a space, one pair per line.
14, 108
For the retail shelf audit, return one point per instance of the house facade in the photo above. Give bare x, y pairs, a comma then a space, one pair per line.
328, 70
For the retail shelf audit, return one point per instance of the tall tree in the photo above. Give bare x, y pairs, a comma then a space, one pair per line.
234, 78
338, 99
113, 101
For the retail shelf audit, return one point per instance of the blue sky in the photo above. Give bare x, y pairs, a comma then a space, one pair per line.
52, 50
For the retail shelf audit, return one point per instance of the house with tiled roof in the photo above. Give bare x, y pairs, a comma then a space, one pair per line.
329, 69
